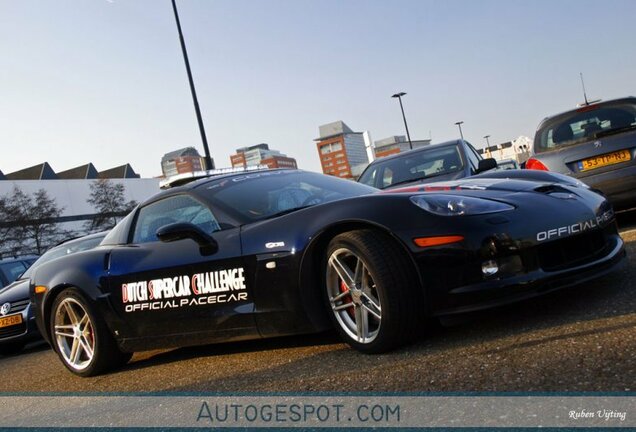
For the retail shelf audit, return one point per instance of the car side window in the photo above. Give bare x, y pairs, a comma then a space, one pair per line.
387, 177
369, 177
180, 208
473, 157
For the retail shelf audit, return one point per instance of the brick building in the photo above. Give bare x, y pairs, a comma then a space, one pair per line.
261, 154
342, 151
182, 161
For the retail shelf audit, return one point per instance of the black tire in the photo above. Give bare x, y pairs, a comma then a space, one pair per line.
12, 348
105, 352
390, 279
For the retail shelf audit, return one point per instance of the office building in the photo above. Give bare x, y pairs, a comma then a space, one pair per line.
182, 161
342, 151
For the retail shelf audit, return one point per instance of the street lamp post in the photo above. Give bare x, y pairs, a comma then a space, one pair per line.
406, 126
208, 158
459, 125
487, 141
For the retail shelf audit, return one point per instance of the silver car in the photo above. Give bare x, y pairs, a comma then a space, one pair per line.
596, 143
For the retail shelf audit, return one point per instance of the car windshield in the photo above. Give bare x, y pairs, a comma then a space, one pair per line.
413, 166
62, 250
267, 194
584, 124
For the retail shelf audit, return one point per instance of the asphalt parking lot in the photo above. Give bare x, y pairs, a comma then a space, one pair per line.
581, 339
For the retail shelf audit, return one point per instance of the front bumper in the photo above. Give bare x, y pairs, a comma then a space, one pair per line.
488, 294
454, 282
24, 332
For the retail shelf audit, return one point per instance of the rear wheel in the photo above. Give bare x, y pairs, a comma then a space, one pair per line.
80, 337
371, 290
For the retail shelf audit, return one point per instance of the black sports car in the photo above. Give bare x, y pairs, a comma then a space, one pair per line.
279, 252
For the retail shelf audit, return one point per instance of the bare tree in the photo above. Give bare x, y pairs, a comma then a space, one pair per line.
8, 230
109, 200
30, 222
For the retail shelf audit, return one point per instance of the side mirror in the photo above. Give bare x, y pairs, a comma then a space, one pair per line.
486, 164
183, 230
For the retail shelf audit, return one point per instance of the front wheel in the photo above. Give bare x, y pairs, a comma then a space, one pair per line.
372, 292
81, 338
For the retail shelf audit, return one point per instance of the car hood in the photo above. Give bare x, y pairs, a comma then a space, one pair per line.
477, 184
15, 291
520, 193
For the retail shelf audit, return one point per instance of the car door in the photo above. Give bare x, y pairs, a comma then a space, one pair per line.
179, 288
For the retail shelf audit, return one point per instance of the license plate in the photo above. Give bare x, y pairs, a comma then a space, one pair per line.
605, 160
10, 320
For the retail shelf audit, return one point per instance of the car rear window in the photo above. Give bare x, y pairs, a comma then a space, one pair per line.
584, 124
64, 249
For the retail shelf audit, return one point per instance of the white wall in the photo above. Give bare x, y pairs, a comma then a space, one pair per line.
72, 195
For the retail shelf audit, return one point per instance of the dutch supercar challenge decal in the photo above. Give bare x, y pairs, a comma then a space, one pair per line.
576, 228
222, 286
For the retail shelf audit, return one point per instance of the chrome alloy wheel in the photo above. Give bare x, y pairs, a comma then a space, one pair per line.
74, 334
353, 296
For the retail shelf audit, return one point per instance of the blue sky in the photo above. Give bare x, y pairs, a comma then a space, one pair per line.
104, 81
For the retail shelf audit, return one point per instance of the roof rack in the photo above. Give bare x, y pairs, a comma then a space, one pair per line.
181, 179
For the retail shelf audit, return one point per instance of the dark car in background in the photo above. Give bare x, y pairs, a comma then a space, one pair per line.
451, 160
596, 143
17, 321
12, 268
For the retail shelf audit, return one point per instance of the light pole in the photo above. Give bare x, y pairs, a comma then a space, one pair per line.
459, 125
487, 141
208, 158
406, 126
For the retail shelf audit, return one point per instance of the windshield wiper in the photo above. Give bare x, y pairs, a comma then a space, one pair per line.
614, 131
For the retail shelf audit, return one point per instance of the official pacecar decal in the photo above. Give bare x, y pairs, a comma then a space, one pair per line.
222, 286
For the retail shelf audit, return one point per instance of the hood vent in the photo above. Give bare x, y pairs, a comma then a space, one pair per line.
556, 191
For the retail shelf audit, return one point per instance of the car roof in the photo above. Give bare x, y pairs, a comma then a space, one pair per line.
631, 99
175, 190
415, 150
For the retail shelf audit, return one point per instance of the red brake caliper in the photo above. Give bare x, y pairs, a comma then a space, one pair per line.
347, 299
89, 338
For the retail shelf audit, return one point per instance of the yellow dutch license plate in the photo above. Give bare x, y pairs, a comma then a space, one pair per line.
10, 320
605, 160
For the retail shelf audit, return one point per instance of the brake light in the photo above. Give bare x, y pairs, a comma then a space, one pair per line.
536, 164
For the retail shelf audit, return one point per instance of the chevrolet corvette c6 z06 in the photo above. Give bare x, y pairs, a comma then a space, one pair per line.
281, 252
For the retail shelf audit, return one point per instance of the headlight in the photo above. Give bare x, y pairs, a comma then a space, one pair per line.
453, 205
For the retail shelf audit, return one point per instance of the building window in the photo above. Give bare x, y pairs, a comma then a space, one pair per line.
330, 148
